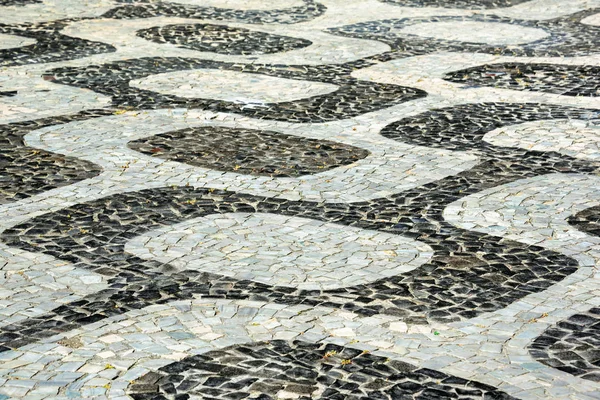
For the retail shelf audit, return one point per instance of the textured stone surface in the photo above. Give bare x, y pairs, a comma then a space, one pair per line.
567, 80
335, 199
302, 370
248, 151
222, 39
468, 4
50, 44
572, 345
566, 36
148, 9
352, 97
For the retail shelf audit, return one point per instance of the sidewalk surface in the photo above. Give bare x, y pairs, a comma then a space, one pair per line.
300, 199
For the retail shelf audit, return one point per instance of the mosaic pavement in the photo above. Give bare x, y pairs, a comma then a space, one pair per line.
300, 199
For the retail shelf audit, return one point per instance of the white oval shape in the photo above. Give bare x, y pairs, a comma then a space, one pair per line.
476, 32
281, 250
243, 4
575, 138
12, 41
239, 87
592, 20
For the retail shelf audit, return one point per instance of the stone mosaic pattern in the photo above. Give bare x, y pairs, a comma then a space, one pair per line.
379, 199
352, 97
222, 39
468, 4
572, 345
27, 171
50, 46
247, 151
565, 36
304, 370
148, 9
18, 2
560, 79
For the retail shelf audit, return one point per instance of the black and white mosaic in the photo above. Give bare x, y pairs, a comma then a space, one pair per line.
243, 199
148, 9
18, 2
467, 4
247, 151
567, 80
50, 45
306, 371
572, 345
559, 37
27, 171
222, 39
464, 127
470, 273
587, 221
350, 97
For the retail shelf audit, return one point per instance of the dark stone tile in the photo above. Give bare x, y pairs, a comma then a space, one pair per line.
576, 351
18, 2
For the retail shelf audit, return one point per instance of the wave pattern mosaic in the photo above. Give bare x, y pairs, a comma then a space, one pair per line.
301, 199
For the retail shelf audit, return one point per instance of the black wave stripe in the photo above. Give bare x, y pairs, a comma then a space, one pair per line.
470, 272
461, 4
567, 36
566, 80
463, 127
5, 3
572, 345
50, 46
149, 9
222, 39
307, 370
587, 221
26, 171
352, 98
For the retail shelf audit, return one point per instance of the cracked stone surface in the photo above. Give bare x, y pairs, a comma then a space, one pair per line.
302, 199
